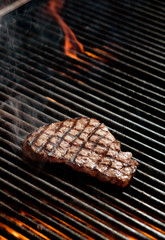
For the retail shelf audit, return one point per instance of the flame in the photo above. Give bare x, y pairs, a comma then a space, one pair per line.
94, 56
46, 225
72, 45
71, 226
20, 236
131, 238
51, 99
106, 53
82, 67
64, 74
2, 238
52, 228
13, 232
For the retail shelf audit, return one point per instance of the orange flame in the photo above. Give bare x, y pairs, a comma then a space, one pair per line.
47, 226
13, 232
2, 238
18, 235
106, 53
51, 99
66, 75
94, 56
72, 45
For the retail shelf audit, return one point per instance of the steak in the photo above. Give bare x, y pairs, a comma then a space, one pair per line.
86, 145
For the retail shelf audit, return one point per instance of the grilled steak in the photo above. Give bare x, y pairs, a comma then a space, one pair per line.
86, 145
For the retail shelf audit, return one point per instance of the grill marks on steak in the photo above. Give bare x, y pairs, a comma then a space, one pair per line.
86, 145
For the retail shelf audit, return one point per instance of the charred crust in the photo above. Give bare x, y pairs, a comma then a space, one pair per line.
86, 145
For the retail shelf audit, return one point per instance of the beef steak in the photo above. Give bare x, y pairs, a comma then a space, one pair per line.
86, 145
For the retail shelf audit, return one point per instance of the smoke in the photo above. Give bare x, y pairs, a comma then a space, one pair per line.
18, 118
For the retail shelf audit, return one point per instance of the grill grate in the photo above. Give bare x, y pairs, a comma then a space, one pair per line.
118, 80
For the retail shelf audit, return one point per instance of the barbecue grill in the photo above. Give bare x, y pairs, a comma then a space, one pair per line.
115, 73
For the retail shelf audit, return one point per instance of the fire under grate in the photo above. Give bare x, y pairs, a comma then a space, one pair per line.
113, 72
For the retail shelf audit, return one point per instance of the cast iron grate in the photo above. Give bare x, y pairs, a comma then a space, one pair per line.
120, 83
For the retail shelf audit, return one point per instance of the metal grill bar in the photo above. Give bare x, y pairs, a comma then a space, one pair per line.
40, 85
154, 87
158, 152
139, 160
12, 7
85, 88
122, 12
128, 34
135, 178
56, 190
54, 200
125, 55
119, 10
74, 89
133, 65
38, 214
151, 209
17, 93
17, 228
106, 96
140, 14
130, 38
110, 29
159, 172
157, 193
26, 221
51, 50
26, 173
151, 8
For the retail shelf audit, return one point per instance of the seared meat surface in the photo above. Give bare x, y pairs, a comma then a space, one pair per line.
86, 145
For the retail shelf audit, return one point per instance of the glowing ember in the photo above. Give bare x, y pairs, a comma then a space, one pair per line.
13, 232
18, 235
66, 75
51, 99
48, 226
106, 53
94, 56
3, 238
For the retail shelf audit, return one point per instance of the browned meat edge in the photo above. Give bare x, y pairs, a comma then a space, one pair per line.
86, 145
